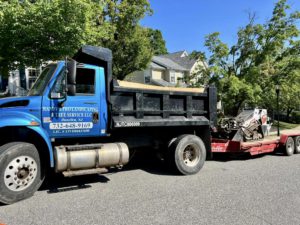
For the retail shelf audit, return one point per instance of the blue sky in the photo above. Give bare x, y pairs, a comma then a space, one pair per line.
184, 23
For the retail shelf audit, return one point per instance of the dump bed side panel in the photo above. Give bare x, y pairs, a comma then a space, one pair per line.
147, 107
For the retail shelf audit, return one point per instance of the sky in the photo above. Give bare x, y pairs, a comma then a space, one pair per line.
185, 23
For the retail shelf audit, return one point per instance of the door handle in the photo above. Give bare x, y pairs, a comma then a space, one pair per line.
90, 103
95, 117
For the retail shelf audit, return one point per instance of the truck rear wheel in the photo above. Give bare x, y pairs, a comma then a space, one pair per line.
289, 146
297, 144
187, 154
20, 172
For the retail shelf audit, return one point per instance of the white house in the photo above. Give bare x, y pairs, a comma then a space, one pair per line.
168, 70
20, 81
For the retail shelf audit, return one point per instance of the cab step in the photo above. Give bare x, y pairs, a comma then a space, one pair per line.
73, 173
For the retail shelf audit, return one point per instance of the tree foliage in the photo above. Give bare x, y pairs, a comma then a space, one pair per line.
158, 44
128, 41
201, 74
35, 31
263, 55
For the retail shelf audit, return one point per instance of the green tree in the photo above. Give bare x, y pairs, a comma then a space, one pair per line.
35, 31
128, 41
158, 44
263, 55
288, 76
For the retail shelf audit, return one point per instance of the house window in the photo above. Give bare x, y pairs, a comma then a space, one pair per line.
32, 76
172, 77
32, 72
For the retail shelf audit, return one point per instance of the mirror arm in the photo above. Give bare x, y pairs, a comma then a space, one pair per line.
66, 74
61, 104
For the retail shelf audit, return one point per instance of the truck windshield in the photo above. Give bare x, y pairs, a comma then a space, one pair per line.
42, 81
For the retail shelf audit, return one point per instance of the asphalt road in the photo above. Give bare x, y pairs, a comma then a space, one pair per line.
260, 190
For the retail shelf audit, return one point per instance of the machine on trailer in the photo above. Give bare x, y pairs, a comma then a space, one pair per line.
248, 133
248, 125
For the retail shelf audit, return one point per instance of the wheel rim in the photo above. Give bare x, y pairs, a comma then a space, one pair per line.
191, 155
290, 146
20, 173
297, 143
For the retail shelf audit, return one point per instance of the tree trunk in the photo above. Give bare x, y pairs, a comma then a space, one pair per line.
22, 76
4, 73
288, 113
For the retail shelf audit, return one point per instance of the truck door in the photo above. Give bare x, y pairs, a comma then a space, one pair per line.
74, 116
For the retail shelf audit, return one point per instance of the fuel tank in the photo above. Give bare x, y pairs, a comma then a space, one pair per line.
82, 157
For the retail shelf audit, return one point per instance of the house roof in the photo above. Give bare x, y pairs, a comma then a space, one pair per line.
167, 63
177, 54
181, 58
156, 66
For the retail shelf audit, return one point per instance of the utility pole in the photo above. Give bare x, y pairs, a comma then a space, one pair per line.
277, 94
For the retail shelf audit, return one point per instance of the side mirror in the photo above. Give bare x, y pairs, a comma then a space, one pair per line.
58, 95
71, 77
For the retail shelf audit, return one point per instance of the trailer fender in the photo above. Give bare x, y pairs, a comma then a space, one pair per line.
21, 119
284, 138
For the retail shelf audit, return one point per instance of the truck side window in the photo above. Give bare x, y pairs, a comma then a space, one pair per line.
85, 81
58, 89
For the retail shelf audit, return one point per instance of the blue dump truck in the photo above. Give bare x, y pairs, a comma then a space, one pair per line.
78, 120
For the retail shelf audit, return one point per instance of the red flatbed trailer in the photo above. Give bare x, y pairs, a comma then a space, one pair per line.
289, 142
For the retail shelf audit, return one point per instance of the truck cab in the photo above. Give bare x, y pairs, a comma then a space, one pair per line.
81, 113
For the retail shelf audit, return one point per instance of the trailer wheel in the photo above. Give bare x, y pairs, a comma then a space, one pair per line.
289, 146
20, 172
187, 154
297, 144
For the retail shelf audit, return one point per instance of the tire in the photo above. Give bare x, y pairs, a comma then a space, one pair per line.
20, 172
289, 146
297, 144
187, 154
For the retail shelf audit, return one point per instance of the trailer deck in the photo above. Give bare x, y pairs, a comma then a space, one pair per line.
266, 145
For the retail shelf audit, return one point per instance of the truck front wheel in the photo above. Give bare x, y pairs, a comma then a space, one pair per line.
187, 154
20, 172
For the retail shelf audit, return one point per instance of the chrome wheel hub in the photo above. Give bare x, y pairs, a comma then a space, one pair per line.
290, 148
20, 173
191, 155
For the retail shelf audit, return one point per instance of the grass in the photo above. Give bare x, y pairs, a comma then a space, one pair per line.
284, 125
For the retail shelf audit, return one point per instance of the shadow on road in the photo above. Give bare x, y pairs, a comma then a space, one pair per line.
150, 163
56, 183
146, 161
225, 157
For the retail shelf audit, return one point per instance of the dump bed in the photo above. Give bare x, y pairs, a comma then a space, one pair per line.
140, 105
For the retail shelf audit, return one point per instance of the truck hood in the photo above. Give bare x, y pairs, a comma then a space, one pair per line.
27, 104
